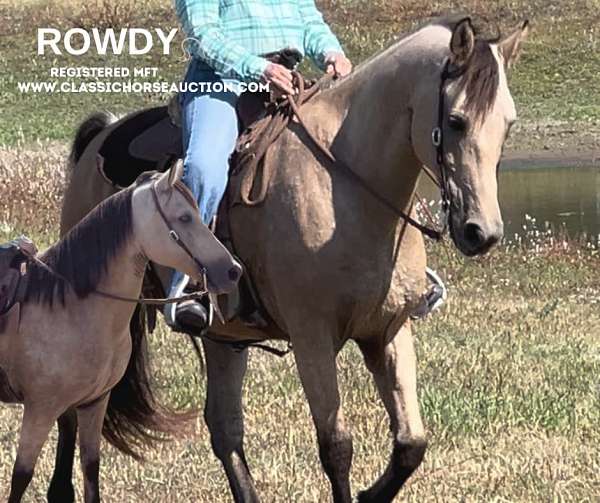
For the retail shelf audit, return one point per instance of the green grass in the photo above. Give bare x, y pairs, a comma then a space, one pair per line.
556, 79
508, 370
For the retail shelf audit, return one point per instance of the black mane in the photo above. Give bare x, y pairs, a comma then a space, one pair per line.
82, 256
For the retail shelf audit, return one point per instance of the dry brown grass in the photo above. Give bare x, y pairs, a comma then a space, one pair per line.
508, 371
31, 183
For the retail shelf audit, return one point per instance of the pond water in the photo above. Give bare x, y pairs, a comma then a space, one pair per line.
565, 197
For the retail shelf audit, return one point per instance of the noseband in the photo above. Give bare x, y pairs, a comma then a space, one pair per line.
173, 233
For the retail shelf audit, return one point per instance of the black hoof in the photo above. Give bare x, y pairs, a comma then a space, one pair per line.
363, 497
61, 495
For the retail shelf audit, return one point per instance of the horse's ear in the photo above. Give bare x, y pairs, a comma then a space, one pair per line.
144, 177
175, 173
510, 47
462, 42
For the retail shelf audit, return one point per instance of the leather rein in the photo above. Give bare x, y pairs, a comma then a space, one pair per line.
437, 140
143, 300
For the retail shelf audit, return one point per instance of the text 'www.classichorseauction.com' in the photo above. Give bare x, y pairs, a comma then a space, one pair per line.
105, 79
65, 80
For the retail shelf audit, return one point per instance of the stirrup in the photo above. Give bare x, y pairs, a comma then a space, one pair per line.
433, 299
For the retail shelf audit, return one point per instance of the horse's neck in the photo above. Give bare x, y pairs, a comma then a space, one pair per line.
123, 278
374, 116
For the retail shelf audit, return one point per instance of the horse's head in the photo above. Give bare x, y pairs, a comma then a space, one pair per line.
171, 233
459, 131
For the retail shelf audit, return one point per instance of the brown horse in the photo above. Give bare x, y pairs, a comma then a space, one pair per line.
73, 289
333, 264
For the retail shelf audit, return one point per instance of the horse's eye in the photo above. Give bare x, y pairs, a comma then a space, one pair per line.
457, 123
186, 218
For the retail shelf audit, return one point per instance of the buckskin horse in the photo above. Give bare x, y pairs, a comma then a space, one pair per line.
66, 342
331, 259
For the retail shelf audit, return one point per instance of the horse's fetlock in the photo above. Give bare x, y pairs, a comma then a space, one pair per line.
409, 453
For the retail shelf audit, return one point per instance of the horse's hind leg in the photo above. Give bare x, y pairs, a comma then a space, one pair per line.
394, 369
61, 486
223, 414
34, 432
90, 418
315, 358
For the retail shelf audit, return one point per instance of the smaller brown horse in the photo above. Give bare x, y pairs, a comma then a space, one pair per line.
73, 342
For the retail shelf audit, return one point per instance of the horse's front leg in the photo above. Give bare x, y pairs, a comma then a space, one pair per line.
37, 422
393, 366
90, 418
61, 486
315, 358
226, 368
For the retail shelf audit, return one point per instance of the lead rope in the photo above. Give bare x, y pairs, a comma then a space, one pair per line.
140, 300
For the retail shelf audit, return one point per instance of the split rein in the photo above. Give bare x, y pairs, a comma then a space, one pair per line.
143, 300
303, 94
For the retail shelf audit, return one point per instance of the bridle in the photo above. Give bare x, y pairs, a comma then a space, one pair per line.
172, 235
437, 139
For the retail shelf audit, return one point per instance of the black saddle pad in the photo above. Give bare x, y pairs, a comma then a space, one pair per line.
144, 141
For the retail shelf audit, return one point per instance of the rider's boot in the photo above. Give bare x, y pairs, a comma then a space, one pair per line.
195, 317
433, 299
189, 316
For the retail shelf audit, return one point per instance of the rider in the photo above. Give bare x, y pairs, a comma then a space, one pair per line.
226, 40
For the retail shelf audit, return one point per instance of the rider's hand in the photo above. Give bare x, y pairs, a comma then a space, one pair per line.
280, 77
337, 64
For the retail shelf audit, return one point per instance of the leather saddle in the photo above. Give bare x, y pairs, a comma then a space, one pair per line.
150, 139
14, 257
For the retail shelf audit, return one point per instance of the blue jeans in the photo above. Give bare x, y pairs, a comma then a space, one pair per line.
210, 129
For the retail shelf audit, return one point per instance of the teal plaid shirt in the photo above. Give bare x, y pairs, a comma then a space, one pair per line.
231, 34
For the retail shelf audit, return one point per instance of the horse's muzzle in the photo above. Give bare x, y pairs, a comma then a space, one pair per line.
476, 238
223, 280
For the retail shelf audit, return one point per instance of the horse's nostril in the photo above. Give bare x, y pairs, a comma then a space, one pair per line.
235, 273
474, 235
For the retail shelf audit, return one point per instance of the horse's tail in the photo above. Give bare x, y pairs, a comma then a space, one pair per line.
135, 418
86, 132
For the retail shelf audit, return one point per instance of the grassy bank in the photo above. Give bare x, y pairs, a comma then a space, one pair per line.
508, 383
554, 84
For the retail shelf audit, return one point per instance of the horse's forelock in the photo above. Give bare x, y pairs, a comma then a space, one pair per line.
480, 80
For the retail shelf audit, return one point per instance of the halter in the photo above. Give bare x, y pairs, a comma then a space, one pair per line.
142, 300
173, 233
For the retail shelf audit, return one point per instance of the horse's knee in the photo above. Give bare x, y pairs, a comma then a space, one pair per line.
407, 455
226, 433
